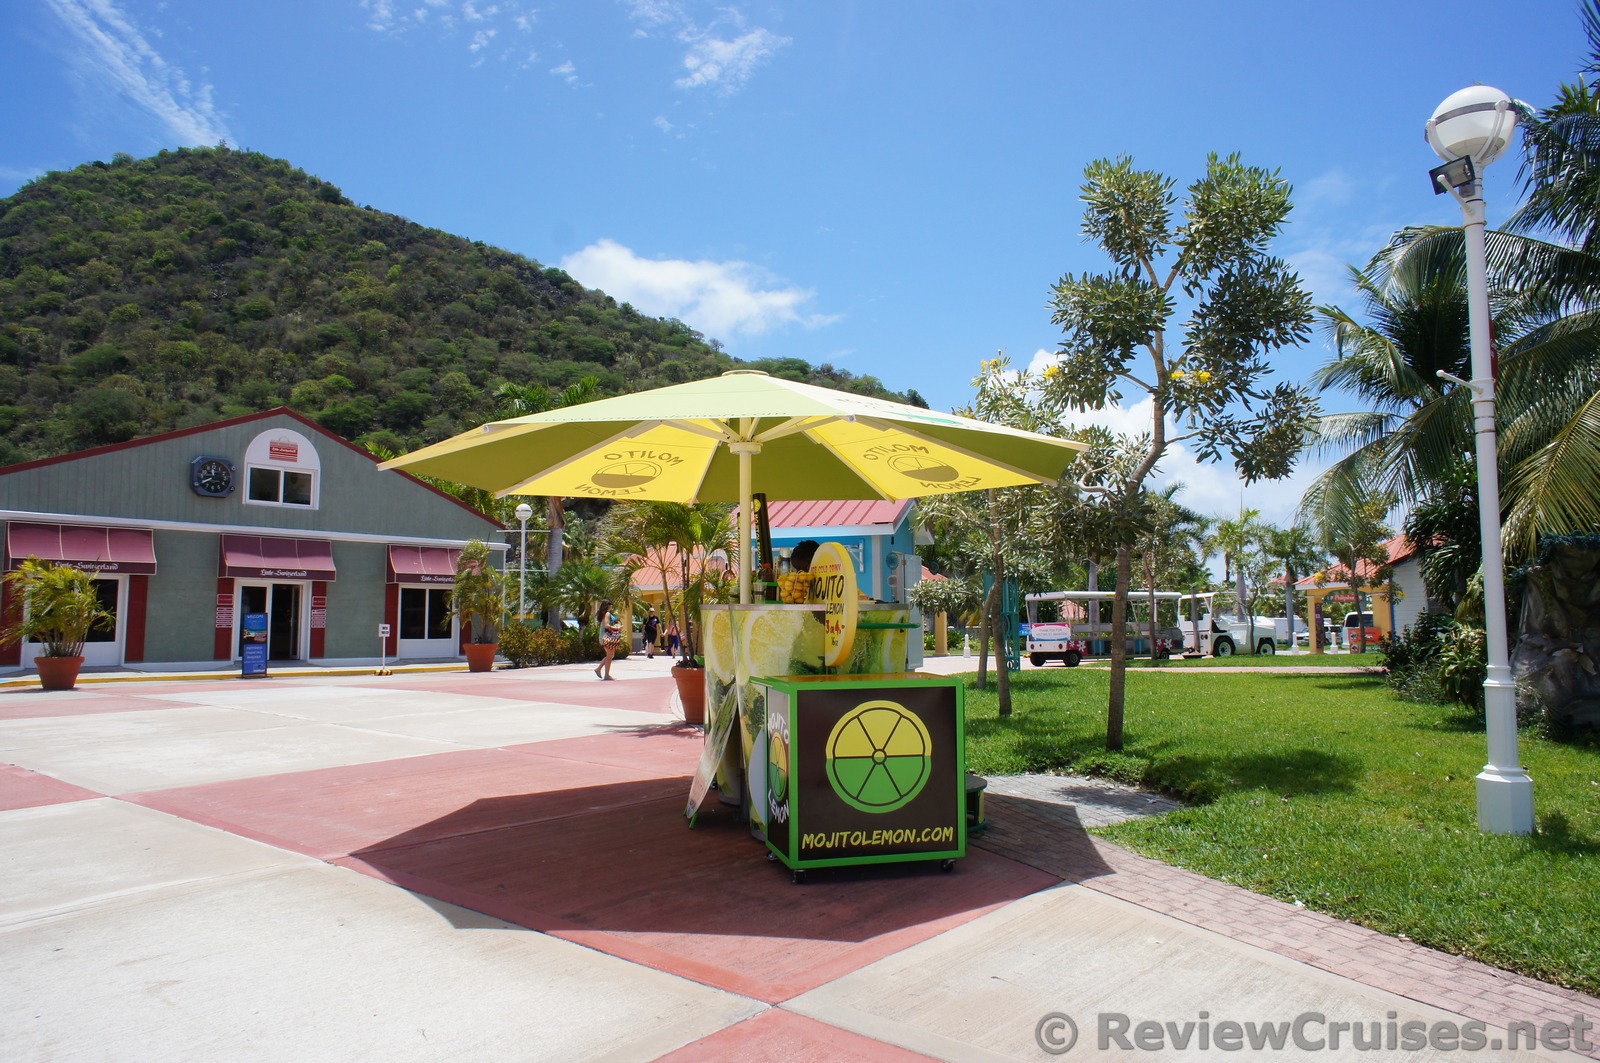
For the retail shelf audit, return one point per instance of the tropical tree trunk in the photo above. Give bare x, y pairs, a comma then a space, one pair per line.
1119, 648
1150, 585
553, 554
1002, 670
983, 636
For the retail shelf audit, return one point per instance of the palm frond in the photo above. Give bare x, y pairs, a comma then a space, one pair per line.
1557, 490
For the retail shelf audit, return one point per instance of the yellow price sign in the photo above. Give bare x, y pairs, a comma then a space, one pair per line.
833, 586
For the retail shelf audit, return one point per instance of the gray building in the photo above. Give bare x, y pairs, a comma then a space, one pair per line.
189, 531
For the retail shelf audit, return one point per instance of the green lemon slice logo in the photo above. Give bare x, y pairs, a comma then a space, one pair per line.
879, 757
778, 768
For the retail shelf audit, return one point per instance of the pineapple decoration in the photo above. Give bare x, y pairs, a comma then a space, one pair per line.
794, 588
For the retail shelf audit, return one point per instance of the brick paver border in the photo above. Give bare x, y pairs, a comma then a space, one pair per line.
1050, 836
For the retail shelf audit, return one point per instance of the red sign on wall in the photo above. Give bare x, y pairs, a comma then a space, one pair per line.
224, 610
283, 450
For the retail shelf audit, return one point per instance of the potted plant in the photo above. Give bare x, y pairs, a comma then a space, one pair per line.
57, 606
479, 600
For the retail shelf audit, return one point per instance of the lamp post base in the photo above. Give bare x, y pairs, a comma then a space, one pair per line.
1505, 802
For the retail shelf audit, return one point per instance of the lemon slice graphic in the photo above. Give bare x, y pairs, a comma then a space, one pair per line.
878, 756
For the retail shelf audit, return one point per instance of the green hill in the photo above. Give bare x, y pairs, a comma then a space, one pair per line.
139, 296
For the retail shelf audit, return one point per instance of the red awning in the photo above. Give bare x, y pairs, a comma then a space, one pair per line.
422, 564
263, 557
114, 550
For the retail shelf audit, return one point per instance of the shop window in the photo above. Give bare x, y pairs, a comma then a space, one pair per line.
282, 469
424, 613
106, 591
281, 487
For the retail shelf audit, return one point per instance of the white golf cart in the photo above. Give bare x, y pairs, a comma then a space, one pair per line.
1070, 641
1208, 635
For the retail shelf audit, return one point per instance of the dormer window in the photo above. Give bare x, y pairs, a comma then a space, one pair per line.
282, 469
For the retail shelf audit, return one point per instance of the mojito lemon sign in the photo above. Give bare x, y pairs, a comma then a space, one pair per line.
872, 768
879, 756
833, 585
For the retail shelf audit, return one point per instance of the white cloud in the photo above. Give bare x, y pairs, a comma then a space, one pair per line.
727, 65
721, 55
721, 299
566, 72
662, 124
118, 54
446, 17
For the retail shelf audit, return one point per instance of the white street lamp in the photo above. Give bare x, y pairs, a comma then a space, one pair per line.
524, 511
1469, 130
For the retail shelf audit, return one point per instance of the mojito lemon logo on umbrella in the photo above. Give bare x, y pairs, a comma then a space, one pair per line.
620, 475
879, 756
925, 469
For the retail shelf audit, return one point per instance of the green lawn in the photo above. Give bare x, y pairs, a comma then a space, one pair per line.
1281, 659
1327, 790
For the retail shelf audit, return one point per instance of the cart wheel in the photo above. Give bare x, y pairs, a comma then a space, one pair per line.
947, 865
799, 877
772, 857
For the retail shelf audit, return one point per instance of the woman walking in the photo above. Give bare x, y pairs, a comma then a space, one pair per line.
610, 639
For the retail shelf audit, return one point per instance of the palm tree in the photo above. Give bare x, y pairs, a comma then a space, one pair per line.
520, 400
642, 532
1232, 538
1544, 280
1297, 547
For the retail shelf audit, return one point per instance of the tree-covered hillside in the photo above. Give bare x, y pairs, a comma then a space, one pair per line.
138, 296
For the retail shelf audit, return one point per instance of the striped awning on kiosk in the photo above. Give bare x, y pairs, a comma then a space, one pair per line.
265, 557
121, 551
434, 565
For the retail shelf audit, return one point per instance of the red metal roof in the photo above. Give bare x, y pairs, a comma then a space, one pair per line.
1398, 549
837, 514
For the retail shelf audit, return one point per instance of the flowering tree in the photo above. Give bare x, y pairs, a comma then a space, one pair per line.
1211, 379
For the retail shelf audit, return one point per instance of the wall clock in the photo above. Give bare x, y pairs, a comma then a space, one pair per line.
211, 477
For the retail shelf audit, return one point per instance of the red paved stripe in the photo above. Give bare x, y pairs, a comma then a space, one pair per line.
779, 1036
21, 788
332, 812
37, 705
632, 880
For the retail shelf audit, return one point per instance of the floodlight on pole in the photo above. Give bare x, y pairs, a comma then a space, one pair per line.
1470, 130
524, 511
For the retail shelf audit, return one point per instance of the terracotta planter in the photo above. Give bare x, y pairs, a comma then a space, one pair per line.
691, 691
58, 673
480, 656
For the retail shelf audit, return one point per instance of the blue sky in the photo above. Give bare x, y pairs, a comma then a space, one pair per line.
888, 186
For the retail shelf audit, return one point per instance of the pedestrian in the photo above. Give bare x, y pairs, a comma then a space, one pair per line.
652, 632
610, 639
674, 639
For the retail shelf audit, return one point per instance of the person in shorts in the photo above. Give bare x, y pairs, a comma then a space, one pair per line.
652, 632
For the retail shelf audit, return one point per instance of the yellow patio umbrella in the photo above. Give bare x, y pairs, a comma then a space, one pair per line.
700, 441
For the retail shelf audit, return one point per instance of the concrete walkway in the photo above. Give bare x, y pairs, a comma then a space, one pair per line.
437, 866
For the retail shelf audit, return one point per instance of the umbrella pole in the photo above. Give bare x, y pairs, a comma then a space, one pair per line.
745, 450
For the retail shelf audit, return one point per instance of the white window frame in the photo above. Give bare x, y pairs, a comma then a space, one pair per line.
283, 452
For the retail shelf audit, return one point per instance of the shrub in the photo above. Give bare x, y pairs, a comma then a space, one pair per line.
517, 645
1438, 660
547, 646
